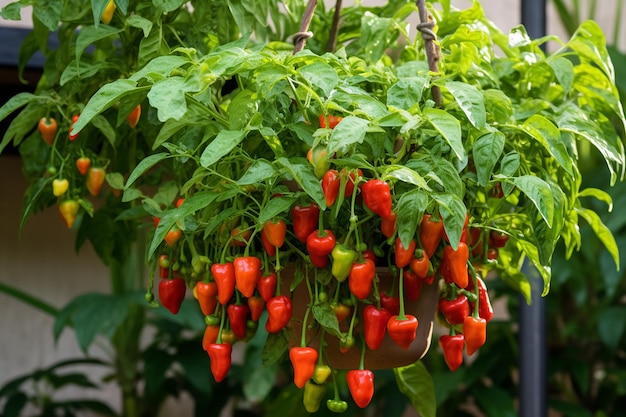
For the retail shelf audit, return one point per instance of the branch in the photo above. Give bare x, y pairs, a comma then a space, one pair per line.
334, 29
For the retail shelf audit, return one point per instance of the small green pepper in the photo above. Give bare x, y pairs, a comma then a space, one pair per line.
313, 394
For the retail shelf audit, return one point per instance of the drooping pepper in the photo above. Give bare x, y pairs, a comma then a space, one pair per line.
412, 285
210, 336
475, 333
279, 309
321, 373
237, 316
303, 360
452, 347
247, 273
420, 264
207, 296
220, 354
388, 225
498, 239
133, 117
377, 197
337, 405
59, 186
172, 293
269, 248
455, 310
275, 231
82, 165
320, 244
331, 183
256, 306
267, 285
224, 275
402, 331
341, 310
430, 233
361, 386
374, 325
48, 129
95, 180
361, 277
343, 257
305, 220
313, 395
403, 256
485, 310
352, 179
172, 236
456, 261
332, 121
390, 303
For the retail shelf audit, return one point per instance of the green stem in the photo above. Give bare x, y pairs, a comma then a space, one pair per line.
362, 361
306, 318
401, 315
26, 298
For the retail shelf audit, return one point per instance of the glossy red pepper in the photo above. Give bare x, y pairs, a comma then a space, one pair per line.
388, 225
267, 245
420, 264
332, 121
402, 330
71, 135
210, 336
452, 347
275, 231
247, 273
455, 310
475, 333
377, 197
172, 236
390, 303
256, 305
133, 117
361, 277
305, 220
237, 317
485, 310
224, 276
476, 241
267, 286
412, 285
48, 129
207, 296
403, 255
82, 164
220, 354
375, 325
498, 239
303, 360
430, 233
320, 244
331, 183
361, 386
352, 179
279, 309
369, 254
172, 293
456, 261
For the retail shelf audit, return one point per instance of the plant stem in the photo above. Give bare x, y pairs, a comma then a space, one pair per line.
26, 298
430, 46
334, 29
303, 35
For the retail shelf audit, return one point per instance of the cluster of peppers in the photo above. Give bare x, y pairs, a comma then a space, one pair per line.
234, 292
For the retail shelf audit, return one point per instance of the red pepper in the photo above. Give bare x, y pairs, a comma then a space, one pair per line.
402, 330
240, 236
95, 180
210, 336
70, 135
172, 293
220, 354
275, 231
303, 360
430, 233
305, 220
455, 310
476, 241
332, 121
267, 286
452, 346
377, 197
237, 316
256, 305
172, 236
498, 239
48, 129
412, 285
420, 264
456, 261
361, 386
361, 277
247, 273
352, 179
388, 225
320, 244
133, 117
269, 248
485, 310
390, 303
374, 325
279, 310
224, 275
207, 296
330, 185
475, 331
82, 164
403, 255
369, 254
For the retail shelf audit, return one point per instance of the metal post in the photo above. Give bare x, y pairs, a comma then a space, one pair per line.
532, 335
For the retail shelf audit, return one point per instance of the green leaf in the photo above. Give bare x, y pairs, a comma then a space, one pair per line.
407, 175
611, 326
549, 136
449, 127
349, 131
377, 34
224, 142
495, 402
409, 209
90, 34
301, 171
103, 125
14, 405
260, 170
564, 72
48, 13
275, 348
160, 66
141, 23
471, 101
540, 193
168, 96
145, 165
81, 70
406, 92
602, 232
589, 42
12, 11
415, 382
598, 194
453, 211
487, 150
274, 208
14, 103
326, 317
321, 75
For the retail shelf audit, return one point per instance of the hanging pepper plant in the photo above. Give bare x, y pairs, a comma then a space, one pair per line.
371, 168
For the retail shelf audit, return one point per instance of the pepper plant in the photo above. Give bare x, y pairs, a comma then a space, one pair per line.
378, 167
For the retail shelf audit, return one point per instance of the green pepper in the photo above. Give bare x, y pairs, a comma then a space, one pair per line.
337, 406
313, 394
321, 373
343, 257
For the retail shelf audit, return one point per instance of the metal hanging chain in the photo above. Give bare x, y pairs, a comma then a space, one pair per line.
300, 38
431, 47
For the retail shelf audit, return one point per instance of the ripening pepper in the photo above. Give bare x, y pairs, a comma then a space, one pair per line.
313, 395
206, 293
237, 316
228, 336
318, 157
269, 248
247, 273
321, 373
48, 129
267, 286
320, 244
452, 347
133, 117
403, 256
388, 225
402, 330
68, 209
172, 236
70, 135
475, 333
60, 186
374, 325
275, 231
303, 360
330, 185
279, 309
456, 261
390, 303
82, 164
498, 239
343, 257
361, 386
454, 310
95, 180
256, 306
485, 310
107, 14
377, 197
224, 276
341, 310
305, 220
412, 285
332, 121
430, 234
420, 264
220, 354
172, 293
361, 277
